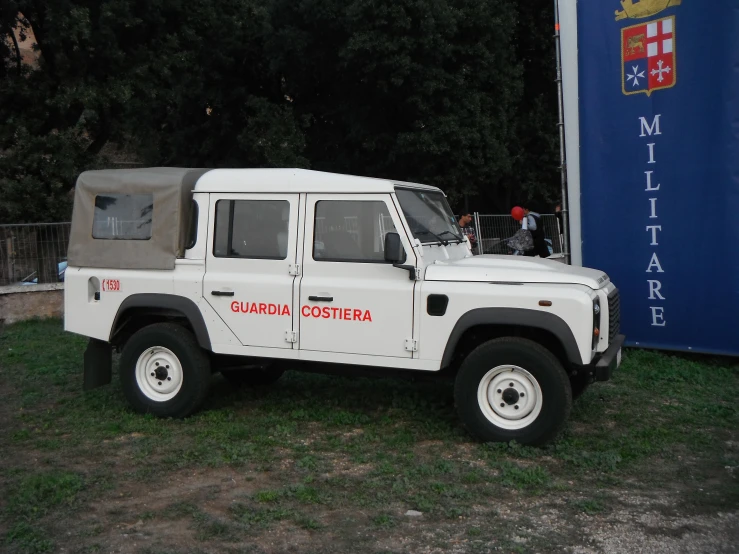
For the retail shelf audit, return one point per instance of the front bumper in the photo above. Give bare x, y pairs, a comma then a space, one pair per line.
606, 364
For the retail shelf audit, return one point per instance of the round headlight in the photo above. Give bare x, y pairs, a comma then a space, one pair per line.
596, 308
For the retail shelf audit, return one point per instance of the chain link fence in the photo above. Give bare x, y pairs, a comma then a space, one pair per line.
492, 230
34, 253
37, 253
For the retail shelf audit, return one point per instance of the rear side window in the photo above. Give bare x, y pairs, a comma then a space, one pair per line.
123, 216
192, 231
256, 229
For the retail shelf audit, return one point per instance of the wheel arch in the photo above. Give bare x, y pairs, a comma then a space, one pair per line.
139, 309
494, 322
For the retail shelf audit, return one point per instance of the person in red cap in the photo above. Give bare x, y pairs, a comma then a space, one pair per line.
531, 221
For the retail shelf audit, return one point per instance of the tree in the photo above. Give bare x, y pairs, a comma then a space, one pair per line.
181, 82
210, 98
410, 89
535, 166
457, 93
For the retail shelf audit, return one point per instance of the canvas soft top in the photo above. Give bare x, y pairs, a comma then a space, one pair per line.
170, 188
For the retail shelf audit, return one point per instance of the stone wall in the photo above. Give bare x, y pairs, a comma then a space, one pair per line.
19, 303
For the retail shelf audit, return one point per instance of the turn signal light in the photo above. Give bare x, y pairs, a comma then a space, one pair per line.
596, 332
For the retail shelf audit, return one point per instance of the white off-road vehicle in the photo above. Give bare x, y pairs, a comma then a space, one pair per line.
250, 272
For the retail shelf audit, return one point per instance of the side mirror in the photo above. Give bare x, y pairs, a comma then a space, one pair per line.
394, 251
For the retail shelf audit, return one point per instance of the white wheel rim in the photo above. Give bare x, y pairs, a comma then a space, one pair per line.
510, 397
159, 374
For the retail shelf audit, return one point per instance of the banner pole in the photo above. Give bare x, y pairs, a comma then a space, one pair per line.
480, 249
561, 127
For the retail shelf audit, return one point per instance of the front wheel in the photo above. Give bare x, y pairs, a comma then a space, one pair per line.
513, 389
164, 371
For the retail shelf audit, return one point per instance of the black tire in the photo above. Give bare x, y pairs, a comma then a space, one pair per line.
253, 376
193, 361
541, 364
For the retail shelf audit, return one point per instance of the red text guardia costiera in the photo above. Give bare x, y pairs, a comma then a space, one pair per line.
316, 312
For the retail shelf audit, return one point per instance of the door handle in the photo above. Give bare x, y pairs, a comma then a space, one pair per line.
222, 292
321, 298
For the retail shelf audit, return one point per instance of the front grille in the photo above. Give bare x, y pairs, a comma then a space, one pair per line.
614, 315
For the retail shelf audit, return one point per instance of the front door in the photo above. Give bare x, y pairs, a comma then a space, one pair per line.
251, 255
351, 300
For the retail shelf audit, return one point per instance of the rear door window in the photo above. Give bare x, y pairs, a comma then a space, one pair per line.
256, 229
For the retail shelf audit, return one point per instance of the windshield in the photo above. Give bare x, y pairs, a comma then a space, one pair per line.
429, 216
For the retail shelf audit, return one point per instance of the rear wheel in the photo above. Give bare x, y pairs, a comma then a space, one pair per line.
164, 371
513, 389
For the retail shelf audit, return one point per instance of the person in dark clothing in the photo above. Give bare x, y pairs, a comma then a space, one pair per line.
558, 213
532, 221
465, 223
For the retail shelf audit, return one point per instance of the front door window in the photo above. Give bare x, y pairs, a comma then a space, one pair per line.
351, 231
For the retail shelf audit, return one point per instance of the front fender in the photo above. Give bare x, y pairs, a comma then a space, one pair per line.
514, 316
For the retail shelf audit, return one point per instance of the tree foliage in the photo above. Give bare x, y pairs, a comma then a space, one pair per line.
416, 90
457, 93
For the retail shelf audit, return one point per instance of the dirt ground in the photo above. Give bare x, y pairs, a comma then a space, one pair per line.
638, 522
314, 463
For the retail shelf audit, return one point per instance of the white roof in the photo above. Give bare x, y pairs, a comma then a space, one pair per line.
294, 181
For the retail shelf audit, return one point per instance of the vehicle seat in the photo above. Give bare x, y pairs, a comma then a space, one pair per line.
282, 235
338, 243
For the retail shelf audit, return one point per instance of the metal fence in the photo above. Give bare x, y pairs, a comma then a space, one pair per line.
33, 253
492, 230
37, 253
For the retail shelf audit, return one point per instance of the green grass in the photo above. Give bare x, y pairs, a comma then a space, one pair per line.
524, 477
349, 454
267, 496
35, 495
383, 520
28, 538
209, 528
259, 516
30, 497
590, 506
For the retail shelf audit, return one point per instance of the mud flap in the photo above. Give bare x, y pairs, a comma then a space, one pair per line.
98, 364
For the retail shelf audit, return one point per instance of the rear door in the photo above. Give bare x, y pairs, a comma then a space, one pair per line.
249, 278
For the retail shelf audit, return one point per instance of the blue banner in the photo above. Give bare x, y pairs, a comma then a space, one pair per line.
659, 165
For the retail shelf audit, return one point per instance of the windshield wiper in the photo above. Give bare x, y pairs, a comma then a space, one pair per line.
456, 236
442, 241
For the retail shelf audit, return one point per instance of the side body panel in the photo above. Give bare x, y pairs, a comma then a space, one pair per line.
189, 275
572, 304
253, 295
86, 315
398, 305
347, 306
